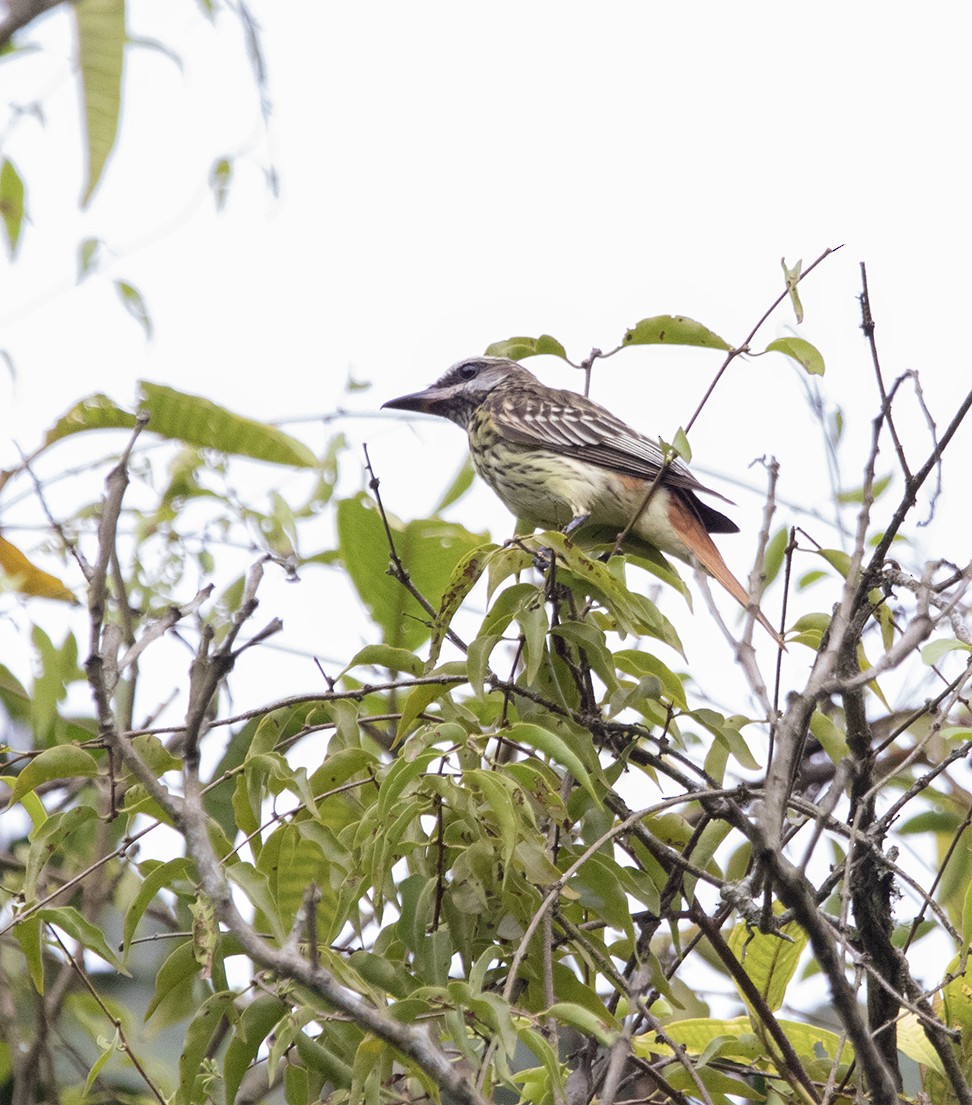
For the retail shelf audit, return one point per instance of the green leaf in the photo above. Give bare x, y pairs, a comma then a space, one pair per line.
63, 761
776, 553
255, 886
809, 578
179, 968
933, 653
967, 915
543, 740
101, 47
497, 792
957, 995
421, 696
534, 623
857, 495
518, 348
88, 935
28, 935
340, 766
680, 443
589, 638
155, 755
88, 256
134, 304
491, 1010
368, 1071
251, 1030
809, 629
11, 205
97, 412
792, 277
801, 351
831, 739
674, 330
586, 1022
837, 558
297, 1089
384, 656
430, 549
725, 730
634, 613
402, 773
47, 838
196, 1042
639, 663
464, 577
601, 889
109, 1047
322, 1059
163, 875
477, 660
295, 863
190, 418
536, 1045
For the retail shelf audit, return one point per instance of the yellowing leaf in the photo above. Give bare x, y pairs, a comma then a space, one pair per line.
914, 1042
28, 579
769, 958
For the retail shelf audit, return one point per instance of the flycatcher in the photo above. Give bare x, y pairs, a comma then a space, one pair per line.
560, 460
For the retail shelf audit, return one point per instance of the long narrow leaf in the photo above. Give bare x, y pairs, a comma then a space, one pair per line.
101, 48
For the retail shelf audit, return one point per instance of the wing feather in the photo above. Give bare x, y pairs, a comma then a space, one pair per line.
568, 423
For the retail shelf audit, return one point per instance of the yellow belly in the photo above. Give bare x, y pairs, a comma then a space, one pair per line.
548, 490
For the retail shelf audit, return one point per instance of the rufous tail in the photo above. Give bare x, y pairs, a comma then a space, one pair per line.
694, 535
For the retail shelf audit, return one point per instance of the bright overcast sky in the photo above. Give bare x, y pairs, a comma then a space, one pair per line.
454, 174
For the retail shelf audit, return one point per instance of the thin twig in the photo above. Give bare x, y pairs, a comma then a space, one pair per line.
397, 569
743, 347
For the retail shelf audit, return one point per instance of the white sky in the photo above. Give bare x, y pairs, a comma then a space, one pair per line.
452, 175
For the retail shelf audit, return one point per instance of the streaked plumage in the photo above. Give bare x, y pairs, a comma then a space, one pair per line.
556, 458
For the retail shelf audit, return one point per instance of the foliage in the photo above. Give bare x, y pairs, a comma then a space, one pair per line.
427, 878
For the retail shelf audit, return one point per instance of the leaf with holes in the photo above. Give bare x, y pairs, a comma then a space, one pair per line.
674, 330
516, 349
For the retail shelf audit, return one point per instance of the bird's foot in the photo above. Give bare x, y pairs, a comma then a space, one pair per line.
543, 559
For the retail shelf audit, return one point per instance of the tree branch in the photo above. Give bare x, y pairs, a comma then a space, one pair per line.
20, 13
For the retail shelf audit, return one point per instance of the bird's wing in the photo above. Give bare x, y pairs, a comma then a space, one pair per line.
568, 423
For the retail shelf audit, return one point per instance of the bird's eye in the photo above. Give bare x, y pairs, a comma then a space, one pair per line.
468, 371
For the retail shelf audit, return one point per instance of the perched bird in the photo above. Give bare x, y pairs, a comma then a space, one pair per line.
560, 460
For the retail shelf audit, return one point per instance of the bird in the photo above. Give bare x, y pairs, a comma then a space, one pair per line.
558, 460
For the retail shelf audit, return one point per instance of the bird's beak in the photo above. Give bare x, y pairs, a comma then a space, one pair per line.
424, 401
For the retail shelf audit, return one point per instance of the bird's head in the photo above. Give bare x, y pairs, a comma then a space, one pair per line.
457, 393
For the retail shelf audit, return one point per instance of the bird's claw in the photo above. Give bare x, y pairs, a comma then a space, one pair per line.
543, 559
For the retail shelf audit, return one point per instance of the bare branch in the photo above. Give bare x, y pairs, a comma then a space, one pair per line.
20, 13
